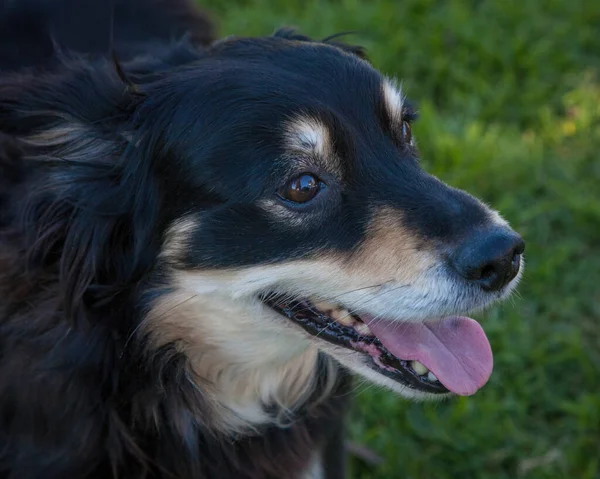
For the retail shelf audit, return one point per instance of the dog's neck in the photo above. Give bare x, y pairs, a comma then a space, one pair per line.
251, 374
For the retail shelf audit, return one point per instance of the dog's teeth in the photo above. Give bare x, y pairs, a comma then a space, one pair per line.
432, 377
342, 316
324, 306
419, 368
362, 329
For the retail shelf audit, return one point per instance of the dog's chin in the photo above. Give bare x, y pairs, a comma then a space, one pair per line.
361, 366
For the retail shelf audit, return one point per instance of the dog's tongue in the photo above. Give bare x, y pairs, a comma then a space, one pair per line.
455, 349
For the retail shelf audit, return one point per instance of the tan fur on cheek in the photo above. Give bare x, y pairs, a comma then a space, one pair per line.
391, 252
242, 355
177, 239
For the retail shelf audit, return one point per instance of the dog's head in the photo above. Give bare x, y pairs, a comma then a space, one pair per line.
271, 190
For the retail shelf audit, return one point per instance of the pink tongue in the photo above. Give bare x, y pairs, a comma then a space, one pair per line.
455, 349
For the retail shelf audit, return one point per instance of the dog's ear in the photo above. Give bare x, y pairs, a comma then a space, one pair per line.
91, 205
292, 34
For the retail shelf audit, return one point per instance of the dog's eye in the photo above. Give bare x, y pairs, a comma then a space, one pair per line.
406, 132
301, 189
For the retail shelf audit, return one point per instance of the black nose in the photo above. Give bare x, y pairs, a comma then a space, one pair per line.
491, 258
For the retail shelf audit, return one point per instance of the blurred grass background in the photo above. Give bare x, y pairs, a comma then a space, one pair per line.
509, 95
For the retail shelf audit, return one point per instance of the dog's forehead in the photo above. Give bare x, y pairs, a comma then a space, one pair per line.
305, 129
325, 136
302, 105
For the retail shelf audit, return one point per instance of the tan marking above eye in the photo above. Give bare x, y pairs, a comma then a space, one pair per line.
308, 134
394, 105
308, 140
394, 101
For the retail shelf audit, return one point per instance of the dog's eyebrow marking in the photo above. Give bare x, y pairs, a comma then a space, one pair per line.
393, 101
312, 138
309, 135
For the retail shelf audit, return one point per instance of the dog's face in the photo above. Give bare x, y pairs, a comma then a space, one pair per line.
322, 229
293, 218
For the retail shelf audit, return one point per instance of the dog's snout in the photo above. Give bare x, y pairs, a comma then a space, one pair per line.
491, 258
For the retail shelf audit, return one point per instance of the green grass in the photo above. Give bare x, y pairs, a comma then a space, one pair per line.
509, 93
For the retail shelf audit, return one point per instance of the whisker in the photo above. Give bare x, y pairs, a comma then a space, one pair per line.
354, 310
357, 289
300, 308
323, 329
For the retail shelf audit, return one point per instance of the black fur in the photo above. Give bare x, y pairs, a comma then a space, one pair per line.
32, 30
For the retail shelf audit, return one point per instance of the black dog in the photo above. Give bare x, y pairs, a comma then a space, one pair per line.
200, 241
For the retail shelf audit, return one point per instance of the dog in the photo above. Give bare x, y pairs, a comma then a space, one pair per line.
203, 240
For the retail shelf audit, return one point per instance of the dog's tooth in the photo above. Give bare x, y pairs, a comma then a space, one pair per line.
432, 377
362, 329
324, 306
419, 368
342, 316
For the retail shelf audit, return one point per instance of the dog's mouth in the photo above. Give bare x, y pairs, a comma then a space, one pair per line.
446, 355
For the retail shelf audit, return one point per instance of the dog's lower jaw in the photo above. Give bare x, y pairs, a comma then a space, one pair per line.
360, 369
